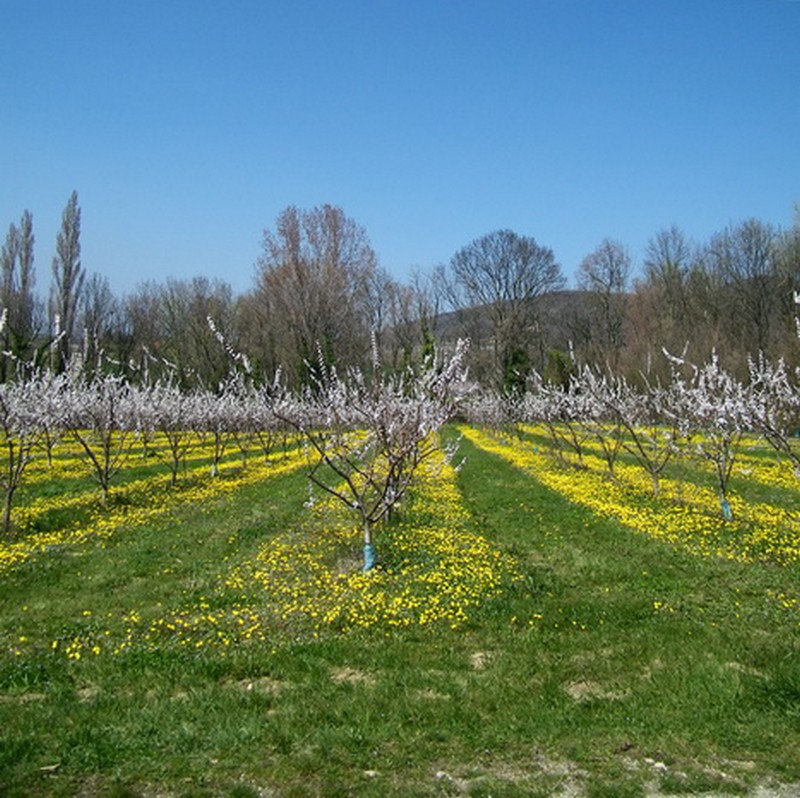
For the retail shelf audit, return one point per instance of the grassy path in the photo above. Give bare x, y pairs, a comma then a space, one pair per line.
663, 651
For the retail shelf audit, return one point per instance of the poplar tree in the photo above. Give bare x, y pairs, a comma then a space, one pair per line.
16, 291
68, 278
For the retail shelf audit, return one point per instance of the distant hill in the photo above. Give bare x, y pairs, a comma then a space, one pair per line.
559, 313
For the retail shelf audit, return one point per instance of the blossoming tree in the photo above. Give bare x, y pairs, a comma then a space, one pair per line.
368, 436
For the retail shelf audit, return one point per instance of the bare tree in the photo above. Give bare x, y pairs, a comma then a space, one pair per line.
380, 292
680, 302
788, 264
185, 306
428, 295
166, 330
744, 258
412, 311
399, 338
98, 319
505, 273
8, 266
605, 274
141, 325
313, 289
667, 261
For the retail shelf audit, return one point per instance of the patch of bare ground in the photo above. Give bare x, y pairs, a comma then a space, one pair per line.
348, 564
480, 660
777, 791
96, 787
431, 695
732, 776
652, 669
586, 690
562, 779
351, 676
737, 667
566, 779
88, 694
765, 790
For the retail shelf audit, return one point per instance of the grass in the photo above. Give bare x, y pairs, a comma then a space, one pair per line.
609, 664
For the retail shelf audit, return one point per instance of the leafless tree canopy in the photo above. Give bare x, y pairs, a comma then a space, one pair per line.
313, 288
605, 275
505, 273
320, 296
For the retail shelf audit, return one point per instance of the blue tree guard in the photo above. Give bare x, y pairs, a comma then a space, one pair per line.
727, 512
370, 556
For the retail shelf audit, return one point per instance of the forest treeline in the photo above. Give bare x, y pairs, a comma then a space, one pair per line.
319, 292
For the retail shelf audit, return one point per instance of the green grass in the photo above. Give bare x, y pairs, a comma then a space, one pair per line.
616, 666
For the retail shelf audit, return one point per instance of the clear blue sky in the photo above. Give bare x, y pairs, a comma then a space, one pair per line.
187, 126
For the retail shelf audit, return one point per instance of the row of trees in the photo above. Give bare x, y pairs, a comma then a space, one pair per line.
365, 434
24, 324
702, 411
732, 294
319, 284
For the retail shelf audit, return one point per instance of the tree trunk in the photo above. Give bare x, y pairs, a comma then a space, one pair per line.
7, 512
369, 548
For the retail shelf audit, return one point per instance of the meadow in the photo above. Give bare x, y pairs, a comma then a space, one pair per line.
534, 627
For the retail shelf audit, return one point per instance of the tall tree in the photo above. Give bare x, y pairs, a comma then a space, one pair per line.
605, 274
788, 260
8, 267
313, 290
68, 276
163, 327
99, 317
411, 314
667, 261
8, 259
744, 258
505, 274
16, 290
185, 307
138, 333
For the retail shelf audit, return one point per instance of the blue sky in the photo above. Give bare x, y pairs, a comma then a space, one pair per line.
186, 127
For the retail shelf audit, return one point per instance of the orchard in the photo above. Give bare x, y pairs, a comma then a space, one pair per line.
387, 540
